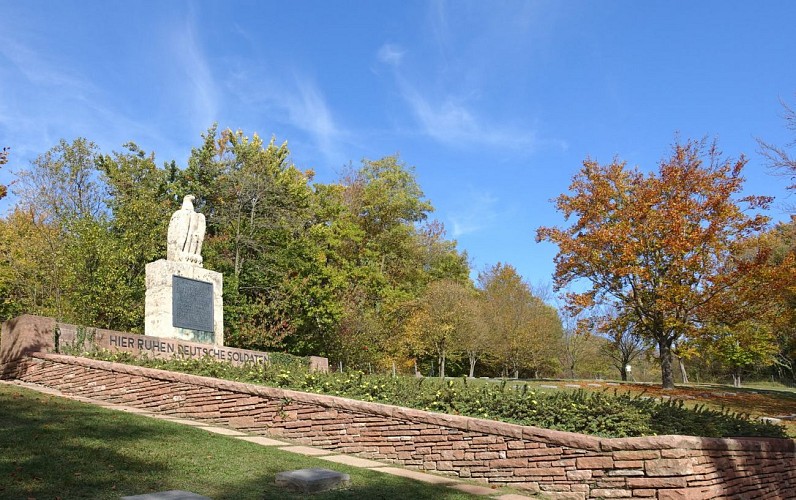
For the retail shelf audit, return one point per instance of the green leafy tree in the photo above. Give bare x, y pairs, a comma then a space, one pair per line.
262, 234
62, 195
524, 331
740, 347
140, 197
447, 314
381, 245
659, 245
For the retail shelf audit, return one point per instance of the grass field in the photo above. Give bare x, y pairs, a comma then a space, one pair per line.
56, 448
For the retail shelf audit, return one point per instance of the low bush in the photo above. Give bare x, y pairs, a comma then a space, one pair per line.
597, 413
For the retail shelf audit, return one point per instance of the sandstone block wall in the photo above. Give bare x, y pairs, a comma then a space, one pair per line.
560, 464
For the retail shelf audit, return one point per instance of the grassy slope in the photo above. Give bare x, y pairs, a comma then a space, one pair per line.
56, 448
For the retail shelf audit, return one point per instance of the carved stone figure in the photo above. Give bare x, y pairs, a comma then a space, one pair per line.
186, 234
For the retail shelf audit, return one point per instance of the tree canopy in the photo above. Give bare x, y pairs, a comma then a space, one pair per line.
660, 244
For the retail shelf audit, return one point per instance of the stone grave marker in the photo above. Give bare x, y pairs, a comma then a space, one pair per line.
312, 480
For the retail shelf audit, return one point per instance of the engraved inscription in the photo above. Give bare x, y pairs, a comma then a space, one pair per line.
192, 304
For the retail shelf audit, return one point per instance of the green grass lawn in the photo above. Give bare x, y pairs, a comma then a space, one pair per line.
55, 448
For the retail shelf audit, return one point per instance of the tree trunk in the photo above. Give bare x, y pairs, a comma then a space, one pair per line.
623, 373
682, 370
665, 351
442, 366
473, 360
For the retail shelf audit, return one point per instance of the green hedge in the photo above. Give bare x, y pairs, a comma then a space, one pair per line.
603, 413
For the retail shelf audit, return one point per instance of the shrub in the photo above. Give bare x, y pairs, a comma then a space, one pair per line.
596, 413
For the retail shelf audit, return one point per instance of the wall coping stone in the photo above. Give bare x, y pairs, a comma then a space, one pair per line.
568, 439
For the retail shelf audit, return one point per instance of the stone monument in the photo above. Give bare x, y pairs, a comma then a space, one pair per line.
183, 299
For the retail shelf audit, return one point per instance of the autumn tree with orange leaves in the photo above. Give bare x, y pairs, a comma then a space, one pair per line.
657, 245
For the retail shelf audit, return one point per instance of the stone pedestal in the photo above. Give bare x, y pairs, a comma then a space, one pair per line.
183, 301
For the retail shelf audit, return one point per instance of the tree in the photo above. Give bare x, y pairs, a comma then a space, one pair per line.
576, 344
61, 196
260, 216
780, 160
741, 346
446, 315
623, 345
140, 198
763, 302
524, 331
660, 246
376, 238
3, 161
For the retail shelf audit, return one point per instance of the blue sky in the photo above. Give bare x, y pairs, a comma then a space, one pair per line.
495, 103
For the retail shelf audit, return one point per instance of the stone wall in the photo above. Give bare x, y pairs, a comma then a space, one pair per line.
27, 333
561, 464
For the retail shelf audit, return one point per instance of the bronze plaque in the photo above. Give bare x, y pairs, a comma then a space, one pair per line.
191, 304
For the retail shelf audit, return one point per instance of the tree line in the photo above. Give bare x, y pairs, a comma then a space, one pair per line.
356, 270
679, 267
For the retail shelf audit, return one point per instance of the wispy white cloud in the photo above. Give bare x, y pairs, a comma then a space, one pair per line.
451, 118
46, 99
293, 99
478, 211
203, 91
468, 50
307, 109
391, 54
453, 122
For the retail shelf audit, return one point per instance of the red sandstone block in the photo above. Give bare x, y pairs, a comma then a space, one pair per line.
595, 462
656, 482
685, 494
669, 467
610, 482
578, 475
610, 493
628, 464
428, 439
638, 455
555, 487
540, 471
452, 454
676, 453
535, 452
644, 493
498, 473
466, 463
508, 462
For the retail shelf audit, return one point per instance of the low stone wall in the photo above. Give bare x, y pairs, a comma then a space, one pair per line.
561, 464
28, 333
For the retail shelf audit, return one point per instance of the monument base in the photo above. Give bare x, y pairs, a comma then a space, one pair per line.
183, 301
